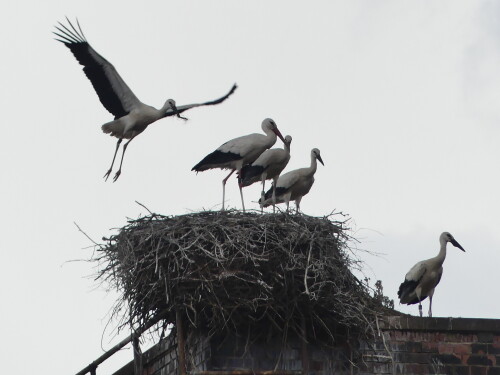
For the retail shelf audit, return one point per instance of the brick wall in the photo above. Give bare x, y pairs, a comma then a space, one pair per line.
403, 345
411, 345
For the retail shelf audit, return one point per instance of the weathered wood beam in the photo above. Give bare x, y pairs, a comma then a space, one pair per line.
181, 343
93, 366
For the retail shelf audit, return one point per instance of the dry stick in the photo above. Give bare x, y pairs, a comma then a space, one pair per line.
140, 204
85, 234
386, 347
137, 356
92, 367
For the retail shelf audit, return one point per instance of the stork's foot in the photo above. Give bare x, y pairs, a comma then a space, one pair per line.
420, 310
106, 175
117, 174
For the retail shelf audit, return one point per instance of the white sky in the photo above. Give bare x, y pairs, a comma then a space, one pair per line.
401, 97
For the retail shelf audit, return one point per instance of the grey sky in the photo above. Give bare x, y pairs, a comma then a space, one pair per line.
400, 97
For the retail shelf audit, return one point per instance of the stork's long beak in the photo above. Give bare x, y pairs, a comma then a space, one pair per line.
456, 244
320, 160
174, 108
278, 133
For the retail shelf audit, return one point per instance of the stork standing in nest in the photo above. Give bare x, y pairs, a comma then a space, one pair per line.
423, 277
132, 116
268, 165
293, 185
238, 152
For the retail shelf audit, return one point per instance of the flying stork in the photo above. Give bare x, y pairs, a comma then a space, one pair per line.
267, 166
293, 185
238, 152
423, 277
132, 116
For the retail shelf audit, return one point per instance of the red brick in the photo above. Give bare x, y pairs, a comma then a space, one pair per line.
455, 370
479, 348
480, 360
447, 359
494, 371
493, 349
430, 346
478, 370
493, 359
462, 349
444, 348
413, 368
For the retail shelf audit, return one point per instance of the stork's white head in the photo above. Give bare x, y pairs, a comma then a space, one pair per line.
170, 106
288, 141
316, 154
269, 124
447, 237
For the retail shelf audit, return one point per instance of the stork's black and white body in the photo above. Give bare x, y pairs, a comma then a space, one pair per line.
268, 165
239, 152
293, 185
423, 277
132, 116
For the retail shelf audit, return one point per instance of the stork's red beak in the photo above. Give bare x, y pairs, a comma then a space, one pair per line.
456, 244
278, 133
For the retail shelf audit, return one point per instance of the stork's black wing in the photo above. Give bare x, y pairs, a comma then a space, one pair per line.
113, 92
183, 108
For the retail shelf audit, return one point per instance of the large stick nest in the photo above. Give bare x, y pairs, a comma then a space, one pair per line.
235, 271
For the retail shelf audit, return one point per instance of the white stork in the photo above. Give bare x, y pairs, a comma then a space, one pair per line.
239, 152
132, 116
293, 185
268, 165
423, 277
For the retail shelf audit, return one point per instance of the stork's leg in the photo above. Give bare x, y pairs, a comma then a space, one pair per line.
224, 188
263, 194
297, 204
430, 305
275, 181
241, 194
119, 171
420, 309
114, 157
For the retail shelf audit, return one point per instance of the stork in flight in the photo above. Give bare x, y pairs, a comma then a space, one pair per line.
423, 277
132, 116
293, 185
268, 165
238, 152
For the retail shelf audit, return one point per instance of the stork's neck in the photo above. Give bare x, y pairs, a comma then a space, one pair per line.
271, 137
314, 165
163, 110
442, 253
286, 147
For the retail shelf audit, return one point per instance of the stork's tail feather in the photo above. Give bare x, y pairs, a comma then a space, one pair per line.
216, 159
405, 292
268, 197
114, 128
250, 174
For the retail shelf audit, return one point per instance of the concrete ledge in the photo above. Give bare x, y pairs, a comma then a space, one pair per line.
413, 323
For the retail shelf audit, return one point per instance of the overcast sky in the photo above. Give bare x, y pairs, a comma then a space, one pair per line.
401, 97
